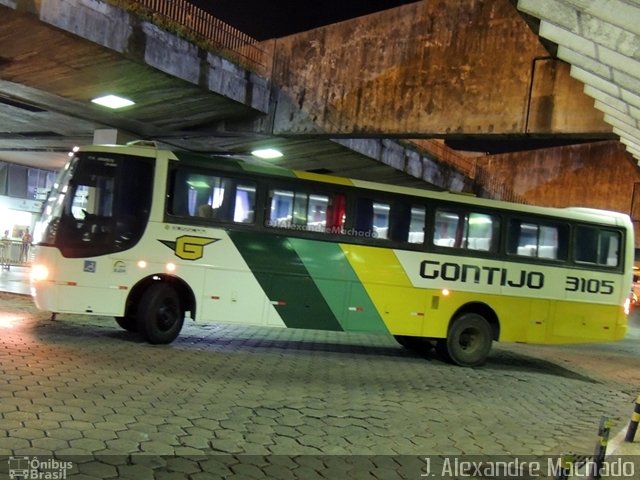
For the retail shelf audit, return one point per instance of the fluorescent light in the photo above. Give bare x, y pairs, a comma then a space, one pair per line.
267, 153
112, 101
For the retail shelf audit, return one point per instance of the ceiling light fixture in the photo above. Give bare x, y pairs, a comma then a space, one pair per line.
267, 153
113, 101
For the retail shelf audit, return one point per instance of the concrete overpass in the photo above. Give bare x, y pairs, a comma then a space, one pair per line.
600, 39
364, 98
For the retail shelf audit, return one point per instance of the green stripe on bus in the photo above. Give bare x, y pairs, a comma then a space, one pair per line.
339, 284
286, 281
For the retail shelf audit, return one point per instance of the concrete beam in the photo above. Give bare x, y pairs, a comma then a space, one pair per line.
604, 97
593, 29
595, 81
606, 86
635, 154
632, 150
626, 131
601, 40
631, 144
621, 13
610, 111
411, 161
569, 13
614, 121
146, 44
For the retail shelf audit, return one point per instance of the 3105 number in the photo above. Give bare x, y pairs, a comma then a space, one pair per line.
589, 285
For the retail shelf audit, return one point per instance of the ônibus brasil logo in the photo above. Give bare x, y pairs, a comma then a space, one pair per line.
34, 468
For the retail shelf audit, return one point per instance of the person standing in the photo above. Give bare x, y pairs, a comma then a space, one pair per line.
5, 246
26, 244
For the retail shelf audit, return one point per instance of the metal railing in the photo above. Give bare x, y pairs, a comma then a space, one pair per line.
463, 164
490, 187
12, 253
200, 27
485, 185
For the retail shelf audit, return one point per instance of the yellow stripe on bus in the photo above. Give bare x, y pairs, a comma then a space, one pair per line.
318, 177
407, 310
401, 306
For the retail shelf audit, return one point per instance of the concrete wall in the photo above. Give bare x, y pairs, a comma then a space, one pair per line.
455, 67
599, 175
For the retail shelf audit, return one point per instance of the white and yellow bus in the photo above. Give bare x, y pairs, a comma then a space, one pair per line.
154, 237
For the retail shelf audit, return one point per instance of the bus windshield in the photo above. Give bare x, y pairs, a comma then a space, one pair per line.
100, 205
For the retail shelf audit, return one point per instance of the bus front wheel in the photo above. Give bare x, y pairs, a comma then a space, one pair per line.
160, 316
468, 342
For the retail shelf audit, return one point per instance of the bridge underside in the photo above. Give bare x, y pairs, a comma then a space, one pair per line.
363, 98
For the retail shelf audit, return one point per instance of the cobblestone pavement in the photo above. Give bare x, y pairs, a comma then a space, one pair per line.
245, 402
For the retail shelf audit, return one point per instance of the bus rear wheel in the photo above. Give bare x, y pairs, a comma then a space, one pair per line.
160, 315
468, 342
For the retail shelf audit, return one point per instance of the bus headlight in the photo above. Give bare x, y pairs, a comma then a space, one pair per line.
39, 273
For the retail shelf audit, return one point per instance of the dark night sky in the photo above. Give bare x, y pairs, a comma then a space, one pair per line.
278, 18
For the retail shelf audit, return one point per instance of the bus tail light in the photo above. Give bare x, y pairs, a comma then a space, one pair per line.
39, 273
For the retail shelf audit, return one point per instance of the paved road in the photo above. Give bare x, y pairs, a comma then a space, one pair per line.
240, 402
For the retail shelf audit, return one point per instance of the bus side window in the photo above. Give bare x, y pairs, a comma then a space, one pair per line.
611, 248
281, 209
226, 208
317, 213
481, 232
470, 231
305, 211
300, 209
399, 220
336, 212
192, 194
245, 203
523, 238
372, 218
417, 225
596, 246
179, 193
364, 216
531, 239
406, 222
446, 228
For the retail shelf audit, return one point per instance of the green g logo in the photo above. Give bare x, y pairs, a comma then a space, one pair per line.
189, 247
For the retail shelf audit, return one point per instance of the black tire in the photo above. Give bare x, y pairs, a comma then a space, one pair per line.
469, 340
160, 316
130, 324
